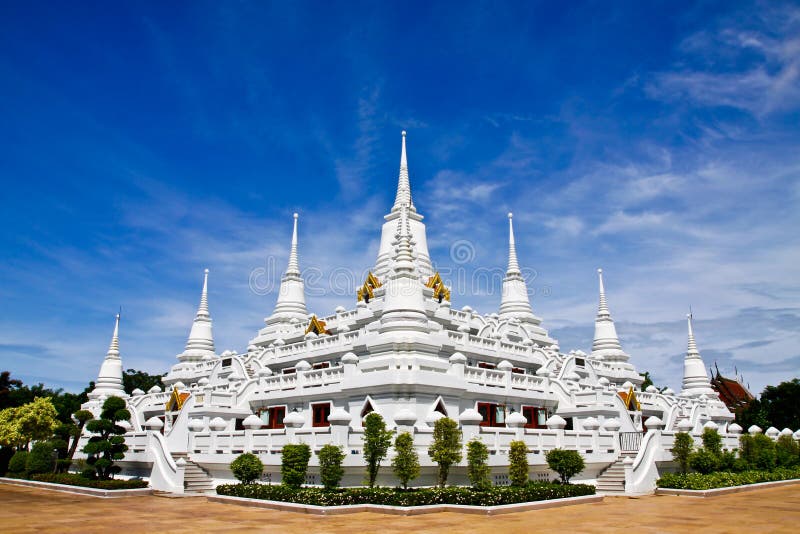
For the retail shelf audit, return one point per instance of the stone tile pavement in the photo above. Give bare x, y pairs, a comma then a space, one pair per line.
34, 510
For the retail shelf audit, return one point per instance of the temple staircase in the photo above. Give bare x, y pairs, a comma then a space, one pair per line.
612, 480
196, 480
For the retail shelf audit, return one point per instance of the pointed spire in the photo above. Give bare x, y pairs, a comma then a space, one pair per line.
403, 197
113, 348
291, 303
602, 309
691, 350
513, 264
515, 303
404, 251
294, 264
606, 345
202, 310
200, 345
109, 379
695, 377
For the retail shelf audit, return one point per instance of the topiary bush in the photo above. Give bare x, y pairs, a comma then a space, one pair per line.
704, 461
787, 452
107, 443
565, 463
446, 447
518, 463
682, 449
758, 452
294, 464
330, 466
40, 459
247, 468
477, 464
712, 441
405, 463
17, 463
377, 440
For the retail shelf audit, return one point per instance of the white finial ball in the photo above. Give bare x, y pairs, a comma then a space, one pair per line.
295, 215
206, 271
599, 271
688, 315
403, 133
510, 215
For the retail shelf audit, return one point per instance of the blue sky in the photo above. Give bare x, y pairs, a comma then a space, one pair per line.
142, 143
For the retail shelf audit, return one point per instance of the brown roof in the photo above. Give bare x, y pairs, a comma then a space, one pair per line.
731, 392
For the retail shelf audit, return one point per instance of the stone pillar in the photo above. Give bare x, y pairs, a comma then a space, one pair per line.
470, 421
457, 363
340, 427
350, 364
180, 473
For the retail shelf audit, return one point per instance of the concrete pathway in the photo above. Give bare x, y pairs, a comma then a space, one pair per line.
33, 510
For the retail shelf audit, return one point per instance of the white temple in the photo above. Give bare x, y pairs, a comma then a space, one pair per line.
402, 350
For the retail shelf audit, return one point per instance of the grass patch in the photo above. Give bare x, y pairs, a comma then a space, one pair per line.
410, 497
696, 481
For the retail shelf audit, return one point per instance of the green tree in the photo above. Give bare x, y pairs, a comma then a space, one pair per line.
565, 463
107, 445
704, 461
478, 464
247, 468
647, 380
34, 421
294, 464
757, 452
518, 463
10, 435
712, 441
377, 440
133, 379
40, 459
682, 449
446, 447
405, 464
787, 452
7, 385
81, 417
780, 404
330, 466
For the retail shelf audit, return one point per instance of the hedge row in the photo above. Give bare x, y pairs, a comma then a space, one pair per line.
411, 497
72, 479
696, 481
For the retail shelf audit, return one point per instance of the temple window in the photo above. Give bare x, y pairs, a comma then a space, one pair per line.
493, 414
289, 371
535, 417
321, 365
273, 416
486, 365
320, 413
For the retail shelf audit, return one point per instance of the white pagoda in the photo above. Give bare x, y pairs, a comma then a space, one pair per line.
403, 351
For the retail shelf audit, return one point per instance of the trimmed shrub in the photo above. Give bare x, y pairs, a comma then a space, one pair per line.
728, 462
712, 441
787, 452
518, 463
565, 463
698, 481
377, 441
330, 465
294, 464
446, 447
758, 452
17, 463
704, 461
107, 445
40, 459
535, 491
477, 464
71, 479
405, 464
682, 450
247, 468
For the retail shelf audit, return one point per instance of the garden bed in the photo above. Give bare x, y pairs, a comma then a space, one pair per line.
696, 481
496, 496
121, 490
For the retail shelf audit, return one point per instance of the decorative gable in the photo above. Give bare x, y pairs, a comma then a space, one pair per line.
176, 401
316, 326
440, 291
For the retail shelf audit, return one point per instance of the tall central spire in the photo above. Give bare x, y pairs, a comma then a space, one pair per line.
606, 345
515, 302
404, 302
416, 227
695, 378
109, 379
403, 197
200, 345
291, 303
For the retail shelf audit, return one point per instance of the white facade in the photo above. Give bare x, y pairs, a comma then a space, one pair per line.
403, 351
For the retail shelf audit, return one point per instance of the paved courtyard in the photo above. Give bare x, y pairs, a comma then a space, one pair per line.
34, 510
